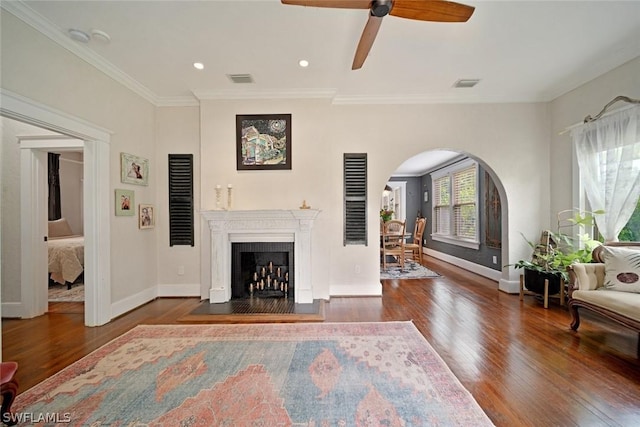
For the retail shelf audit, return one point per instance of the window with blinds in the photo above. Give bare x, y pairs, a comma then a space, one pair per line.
464, 191
455, 204
181, 199
355, 198
442, 205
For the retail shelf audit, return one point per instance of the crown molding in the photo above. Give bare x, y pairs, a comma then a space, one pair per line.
29, 16
404, 99
177, 101
267, 94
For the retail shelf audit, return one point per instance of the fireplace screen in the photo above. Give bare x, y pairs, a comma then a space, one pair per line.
262, 269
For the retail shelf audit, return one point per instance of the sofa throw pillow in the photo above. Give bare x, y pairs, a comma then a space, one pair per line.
622, 268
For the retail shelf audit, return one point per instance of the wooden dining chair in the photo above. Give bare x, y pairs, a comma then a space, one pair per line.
415, 247
393, 244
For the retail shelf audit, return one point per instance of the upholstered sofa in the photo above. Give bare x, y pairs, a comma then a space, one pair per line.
609, 286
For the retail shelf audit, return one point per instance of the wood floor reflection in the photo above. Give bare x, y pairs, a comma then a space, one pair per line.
521, 362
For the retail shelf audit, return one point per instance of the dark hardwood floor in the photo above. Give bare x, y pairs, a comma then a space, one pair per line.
522, 363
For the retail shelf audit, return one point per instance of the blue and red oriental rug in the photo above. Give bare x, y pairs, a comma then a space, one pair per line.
317, 374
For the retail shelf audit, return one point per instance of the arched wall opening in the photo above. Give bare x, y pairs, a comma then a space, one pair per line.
418, 168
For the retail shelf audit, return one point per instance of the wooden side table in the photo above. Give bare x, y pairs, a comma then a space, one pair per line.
545, 295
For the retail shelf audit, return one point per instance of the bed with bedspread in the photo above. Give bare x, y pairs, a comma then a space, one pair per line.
66, 253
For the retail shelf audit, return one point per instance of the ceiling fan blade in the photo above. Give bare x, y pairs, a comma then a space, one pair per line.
339, 4
366, 41
436, 10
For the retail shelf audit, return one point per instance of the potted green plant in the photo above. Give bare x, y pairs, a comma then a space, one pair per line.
386, 214
557, 250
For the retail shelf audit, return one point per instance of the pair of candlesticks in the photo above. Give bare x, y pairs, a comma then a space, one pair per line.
219, 197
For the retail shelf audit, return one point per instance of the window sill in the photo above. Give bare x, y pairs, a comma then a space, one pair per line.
471, 244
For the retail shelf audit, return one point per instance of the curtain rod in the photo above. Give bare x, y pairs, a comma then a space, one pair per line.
613, 101
590, 119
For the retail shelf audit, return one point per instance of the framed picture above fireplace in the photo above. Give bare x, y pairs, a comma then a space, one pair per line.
263, 141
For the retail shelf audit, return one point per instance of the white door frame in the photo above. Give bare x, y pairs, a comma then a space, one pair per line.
96, 206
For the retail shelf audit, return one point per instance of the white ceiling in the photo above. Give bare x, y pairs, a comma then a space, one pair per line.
523, 51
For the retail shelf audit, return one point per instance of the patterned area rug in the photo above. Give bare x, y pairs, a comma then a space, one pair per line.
412, 270
307, 374
60, 293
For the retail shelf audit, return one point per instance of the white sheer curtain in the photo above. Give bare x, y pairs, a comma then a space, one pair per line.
608, 152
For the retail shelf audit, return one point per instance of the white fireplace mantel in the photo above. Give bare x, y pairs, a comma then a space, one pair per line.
231, 226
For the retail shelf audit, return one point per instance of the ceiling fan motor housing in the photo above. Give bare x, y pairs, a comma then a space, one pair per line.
381, 8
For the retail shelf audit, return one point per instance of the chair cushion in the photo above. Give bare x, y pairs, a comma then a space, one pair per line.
625, 304
8, 370
622, 269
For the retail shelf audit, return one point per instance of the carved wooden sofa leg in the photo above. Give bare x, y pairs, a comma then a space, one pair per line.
575, 316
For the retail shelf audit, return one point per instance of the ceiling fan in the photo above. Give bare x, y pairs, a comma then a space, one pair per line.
421, 10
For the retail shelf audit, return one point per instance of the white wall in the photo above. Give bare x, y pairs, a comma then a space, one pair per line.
572, 108
512, 140
71, 190
322, 132
37, 68
178, 132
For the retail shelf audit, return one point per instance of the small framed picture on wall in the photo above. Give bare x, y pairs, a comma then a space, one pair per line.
125, 202
134, 169
146, 216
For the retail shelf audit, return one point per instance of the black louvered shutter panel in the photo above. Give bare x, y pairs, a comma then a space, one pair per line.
181, 199
355, 199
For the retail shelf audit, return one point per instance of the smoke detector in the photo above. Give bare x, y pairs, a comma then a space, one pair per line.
79, 35
100, 36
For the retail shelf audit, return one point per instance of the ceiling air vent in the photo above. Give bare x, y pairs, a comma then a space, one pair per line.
466, 83
240, 78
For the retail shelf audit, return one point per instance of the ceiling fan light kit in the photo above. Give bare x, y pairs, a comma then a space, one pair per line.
428, 10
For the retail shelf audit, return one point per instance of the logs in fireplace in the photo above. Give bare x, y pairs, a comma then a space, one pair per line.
262, 270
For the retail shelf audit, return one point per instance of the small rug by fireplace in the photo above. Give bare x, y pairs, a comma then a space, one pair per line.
256, 310
266, 374
412, 270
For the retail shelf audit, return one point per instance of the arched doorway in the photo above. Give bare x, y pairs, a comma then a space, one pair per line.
489, 254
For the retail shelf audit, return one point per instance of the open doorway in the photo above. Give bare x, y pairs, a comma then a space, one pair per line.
25, 297
65, 244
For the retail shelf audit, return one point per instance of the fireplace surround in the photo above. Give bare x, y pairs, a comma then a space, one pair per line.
268, 226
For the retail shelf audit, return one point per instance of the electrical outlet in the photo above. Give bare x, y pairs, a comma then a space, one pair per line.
495, 259
181, 270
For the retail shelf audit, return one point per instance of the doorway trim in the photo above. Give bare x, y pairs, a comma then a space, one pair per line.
96, 205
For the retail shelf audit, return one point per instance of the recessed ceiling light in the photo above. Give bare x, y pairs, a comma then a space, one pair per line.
466, 83
198, 65
303, 63
78, 35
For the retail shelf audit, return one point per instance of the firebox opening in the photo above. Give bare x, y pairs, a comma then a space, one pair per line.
262, 270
